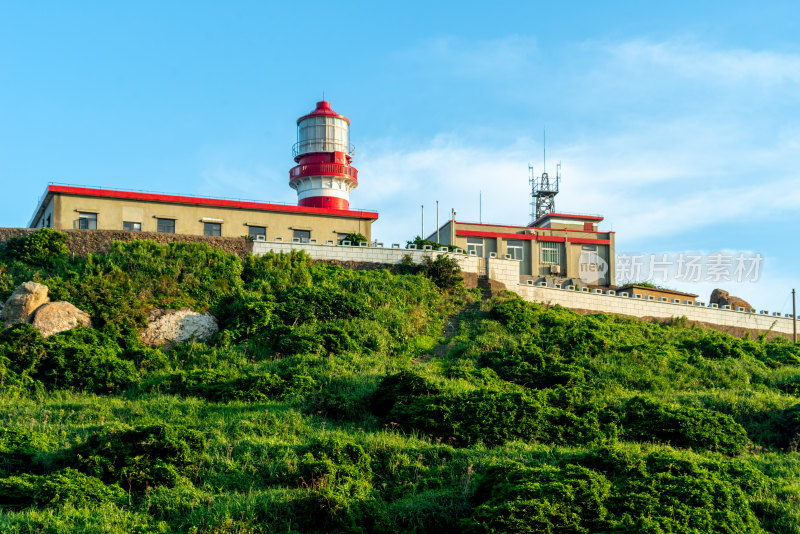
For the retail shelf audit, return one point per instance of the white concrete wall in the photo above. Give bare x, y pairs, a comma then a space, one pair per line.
603, 303
504, 270
470, 264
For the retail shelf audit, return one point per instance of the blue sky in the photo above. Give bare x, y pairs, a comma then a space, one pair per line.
679, 122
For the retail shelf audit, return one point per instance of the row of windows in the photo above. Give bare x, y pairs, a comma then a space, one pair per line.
88, 221
549, 252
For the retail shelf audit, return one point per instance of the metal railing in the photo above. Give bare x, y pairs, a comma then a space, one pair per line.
308, 147
312, 169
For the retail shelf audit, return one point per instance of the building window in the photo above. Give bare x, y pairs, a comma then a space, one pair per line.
589, 248
131, 226
87, 221
166, 226
212, 229
303, 235
254, 231
550, 252
476, 244
516, 249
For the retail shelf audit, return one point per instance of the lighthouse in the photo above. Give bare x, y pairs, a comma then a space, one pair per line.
323, 177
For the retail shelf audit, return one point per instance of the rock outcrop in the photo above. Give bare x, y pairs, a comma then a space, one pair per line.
23, 302
55, 317
168, 328
723, 298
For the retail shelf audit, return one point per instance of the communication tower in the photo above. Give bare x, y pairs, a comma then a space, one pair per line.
544, 189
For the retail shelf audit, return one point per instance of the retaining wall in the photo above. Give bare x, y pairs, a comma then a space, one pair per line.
505, 271
389, 256
83, 242
603, 303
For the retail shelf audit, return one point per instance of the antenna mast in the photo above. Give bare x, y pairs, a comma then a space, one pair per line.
543, 188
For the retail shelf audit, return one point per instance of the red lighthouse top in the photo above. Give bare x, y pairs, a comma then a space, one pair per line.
323, 109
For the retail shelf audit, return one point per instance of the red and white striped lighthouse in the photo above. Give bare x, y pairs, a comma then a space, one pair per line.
323, 177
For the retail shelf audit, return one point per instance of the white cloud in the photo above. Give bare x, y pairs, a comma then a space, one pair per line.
696, 61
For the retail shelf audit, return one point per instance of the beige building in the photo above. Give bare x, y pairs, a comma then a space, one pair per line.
68, 207
556, 244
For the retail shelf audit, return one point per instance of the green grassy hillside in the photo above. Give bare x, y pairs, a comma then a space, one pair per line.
358, 401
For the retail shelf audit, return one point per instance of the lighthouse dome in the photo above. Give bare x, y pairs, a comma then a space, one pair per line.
322, 130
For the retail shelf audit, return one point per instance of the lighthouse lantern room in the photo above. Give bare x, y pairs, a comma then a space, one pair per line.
323, 177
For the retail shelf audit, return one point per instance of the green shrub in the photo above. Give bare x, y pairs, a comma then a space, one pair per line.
66, 487
787, 426
223, 385
81, 358
141, 457
490, 416
276, 272
320, 339
531, 367
444, 271
42, 248
356, 238
611, 490
716, 345
19, 448
400, 387
245, 315
335, 465
780, 352
515, 498
337, 405
683, 426
481, 416
422, 242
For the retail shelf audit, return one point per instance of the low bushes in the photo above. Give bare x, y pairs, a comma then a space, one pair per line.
138, 458
81, 358
19, 448
222, 385
43, 248
66, 487
558, 416
489, 416
683, 426
613, 490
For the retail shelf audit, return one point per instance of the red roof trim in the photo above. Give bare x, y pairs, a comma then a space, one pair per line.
568, 216
182, 199
472, 233
589, 241
531, 227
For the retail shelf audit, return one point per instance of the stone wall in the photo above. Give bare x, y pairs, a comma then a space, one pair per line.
504, 271
83, 242
651, 309
376, 255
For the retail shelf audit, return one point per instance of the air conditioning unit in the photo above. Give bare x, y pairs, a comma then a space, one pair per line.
260, 237
555, 269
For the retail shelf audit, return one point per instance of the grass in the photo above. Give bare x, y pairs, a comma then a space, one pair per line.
650, 428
